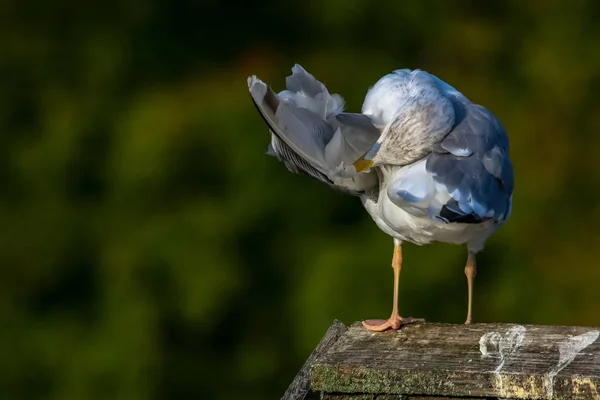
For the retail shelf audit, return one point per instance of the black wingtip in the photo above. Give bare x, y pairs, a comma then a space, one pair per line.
448, 215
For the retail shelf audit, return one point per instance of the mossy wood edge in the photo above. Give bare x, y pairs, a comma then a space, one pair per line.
476, 361
300, 387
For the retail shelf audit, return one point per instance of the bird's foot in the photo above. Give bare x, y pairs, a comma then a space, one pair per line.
394, 322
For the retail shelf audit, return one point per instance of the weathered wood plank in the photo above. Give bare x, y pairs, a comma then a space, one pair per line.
300, 387
479, 360
342, 396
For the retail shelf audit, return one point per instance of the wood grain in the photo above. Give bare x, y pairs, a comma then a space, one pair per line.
300, 387
479, 360
346, 396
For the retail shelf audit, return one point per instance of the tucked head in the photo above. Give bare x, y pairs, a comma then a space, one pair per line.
419, 116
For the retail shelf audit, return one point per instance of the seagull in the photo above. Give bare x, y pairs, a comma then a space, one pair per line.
427, 164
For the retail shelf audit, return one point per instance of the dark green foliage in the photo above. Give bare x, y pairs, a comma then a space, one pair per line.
150, 249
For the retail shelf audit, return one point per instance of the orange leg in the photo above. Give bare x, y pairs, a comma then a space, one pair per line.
395, 321
470, 272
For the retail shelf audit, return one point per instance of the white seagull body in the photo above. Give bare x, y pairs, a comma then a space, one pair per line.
428, 164
403, 225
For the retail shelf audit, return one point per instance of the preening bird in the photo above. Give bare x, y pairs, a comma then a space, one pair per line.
428, 164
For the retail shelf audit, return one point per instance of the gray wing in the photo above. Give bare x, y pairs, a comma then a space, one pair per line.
354, 135
311, 135
473, 166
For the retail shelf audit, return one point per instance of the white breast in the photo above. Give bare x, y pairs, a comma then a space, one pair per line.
405, 226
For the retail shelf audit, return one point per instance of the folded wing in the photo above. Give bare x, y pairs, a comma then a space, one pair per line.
468, 178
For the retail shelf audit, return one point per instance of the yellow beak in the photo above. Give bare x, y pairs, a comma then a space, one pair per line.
361, 164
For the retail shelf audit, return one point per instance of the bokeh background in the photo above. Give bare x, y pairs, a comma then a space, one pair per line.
149, 249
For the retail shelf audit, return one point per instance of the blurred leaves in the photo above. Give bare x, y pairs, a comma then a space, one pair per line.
151, 250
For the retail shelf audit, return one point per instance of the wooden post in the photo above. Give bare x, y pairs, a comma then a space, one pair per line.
300, 387
429, 361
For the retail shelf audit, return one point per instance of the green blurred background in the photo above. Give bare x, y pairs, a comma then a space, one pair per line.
151, 250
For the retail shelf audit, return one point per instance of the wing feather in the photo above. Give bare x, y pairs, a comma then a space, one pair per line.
311, 135
468, 178
474, 168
